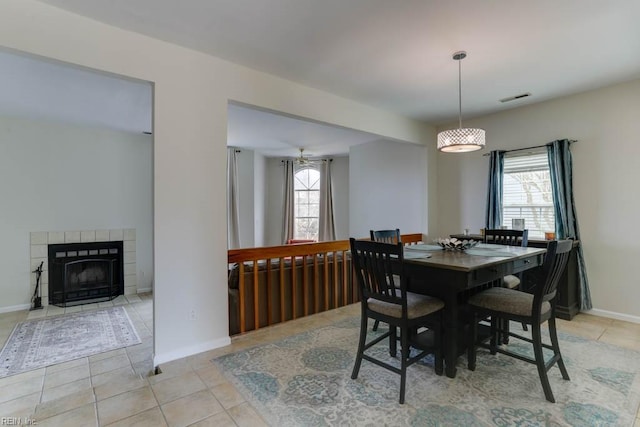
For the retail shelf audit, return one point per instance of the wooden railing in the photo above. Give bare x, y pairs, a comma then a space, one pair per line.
306, 278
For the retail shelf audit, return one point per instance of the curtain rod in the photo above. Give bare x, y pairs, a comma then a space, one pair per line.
571, 141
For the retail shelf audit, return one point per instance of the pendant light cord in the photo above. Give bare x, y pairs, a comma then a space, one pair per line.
460, 93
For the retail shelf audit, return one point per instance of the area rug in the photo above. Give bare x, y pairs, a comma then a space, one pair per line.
305, 380
42, 342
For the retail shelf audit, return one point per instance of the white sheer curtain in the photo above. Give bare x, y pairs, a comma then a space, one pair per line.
233, 216
326, 225
288, 215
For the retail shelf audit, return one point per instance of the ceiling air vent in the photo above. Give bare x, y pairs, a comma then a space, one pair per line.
513, 98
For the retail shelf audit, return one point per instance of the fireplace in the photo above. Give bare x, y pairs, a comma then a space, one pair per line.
81, 273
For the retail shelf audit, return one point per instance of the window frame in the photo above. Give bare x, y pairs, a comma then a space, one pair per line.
541, 217
308, 190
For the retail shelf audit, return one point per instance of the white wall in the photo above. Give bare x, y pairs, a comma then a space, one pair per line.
387, 184
274, 191
251, 197
191, 93
260, 198
59, 177
606, 173
246, 197
340, 179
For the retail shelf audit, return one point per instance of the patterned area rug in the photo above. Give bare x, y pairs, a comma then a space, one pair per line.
305, 380
42, 342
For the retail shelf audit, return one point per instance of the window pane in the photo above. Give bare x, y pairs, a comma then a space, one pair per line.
527, 193
306, 228
302, 196
307, 199
314, 210
314, 180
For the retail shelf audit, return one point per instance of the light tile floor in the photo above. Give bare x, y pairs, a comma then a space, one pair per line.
118, 389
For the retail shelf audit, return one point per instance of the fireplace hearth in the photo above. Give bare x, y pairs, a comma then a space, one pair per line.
81, 273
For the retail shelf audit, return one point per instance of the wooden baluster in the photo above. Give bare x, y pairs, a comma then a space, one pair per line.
326, 280
282, 299
316, 291
336, 285
294, 294
256, 296
269, 308
345, 290
305, 288
241, 295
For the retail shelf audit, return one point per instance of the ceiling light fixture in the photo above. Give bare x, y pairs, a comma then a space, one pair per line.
462, 139
304, 161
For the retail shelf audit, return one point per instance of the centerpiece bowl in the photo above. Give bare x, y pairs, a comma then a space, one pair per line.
453, 244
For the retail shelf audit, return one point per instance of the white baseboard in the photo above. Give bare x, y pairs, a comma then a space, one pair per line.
159, 359
613, 315
15, 308
143, 290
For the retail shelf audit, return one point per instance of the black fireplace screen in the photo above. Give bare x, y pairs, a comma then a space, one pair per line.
80, 273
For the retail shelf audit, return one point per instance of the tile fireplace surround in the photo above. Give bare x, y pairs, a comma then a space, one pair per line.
39, 253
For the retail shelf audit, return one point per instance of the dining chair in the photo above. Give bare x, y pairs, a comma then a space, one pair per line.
376, 267
508, 238
384, 236
504, 305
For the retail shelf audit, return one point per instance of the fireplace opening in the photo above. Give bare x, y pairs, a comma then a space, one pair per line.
82, 273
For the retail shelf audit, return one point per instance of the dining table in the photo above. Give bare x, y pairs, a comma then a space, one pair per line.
453, 275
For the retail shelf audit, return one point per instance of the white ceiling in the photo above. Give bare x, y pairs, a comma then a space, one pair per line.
397, 54
392, 54
275, 135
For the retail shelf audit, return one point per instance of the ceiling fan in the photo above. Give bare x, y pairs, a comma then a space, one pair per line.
303, 161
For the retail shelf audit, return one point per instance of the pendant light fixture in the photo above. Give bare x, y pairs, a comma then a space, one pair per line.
462, 139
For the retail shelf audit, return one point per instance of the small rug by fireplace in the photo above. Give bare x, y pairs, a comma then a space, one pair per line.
42, 342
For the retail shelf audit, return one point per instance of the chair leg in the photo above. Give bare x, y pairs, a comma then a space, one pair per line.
542, 370
556, 347
404, 343
471, 346
495, 321
504, 325
361, 344
439, 343
375, 325
393, 341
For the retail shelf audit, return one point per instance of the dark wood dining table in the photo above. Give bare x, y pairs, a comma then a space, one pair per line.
453, 275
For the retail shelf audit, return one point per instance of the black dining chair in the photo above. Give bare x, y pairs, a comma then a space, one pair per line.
504, 305
508, 238
377, 267
384, 236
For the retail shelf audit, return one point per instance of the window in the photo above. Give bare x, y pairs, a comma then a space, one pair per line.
307, 203
526, 193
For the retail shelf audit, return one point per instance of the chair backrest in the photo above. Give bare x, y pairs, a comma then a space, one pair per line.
386, 236
378, 268
555, 262
507, 237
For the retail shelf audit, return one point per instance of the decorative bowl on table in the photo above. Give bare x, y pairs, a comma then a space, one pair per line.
453, 244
